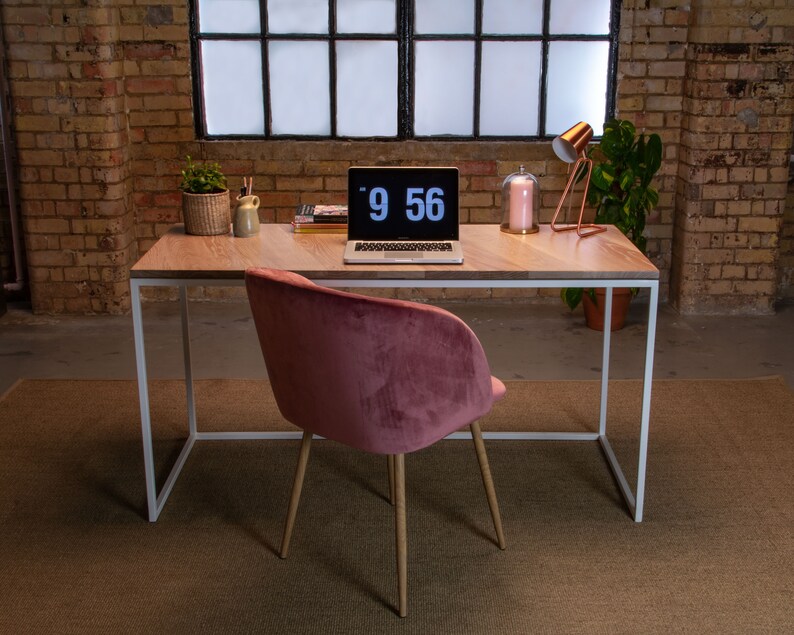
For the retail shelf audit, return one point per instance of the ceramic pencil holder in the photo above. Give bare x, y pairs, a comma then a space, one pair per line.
246, 217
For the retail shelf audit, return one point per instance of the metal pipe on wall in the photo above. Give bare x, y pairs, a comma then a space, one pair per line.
9, 156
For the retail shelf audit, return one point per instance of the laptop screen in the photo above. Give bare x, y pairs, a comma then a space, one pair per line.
393, 203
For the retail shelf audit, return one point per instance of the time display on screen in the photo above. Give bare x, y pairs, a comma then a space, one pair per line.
419, 203
412, 203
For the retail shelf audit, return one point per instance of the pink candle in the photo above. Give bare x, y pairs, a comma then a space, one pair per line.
522, 211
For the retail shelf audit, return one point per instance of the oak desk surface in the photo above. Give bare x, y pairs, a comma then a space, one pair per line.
489, 254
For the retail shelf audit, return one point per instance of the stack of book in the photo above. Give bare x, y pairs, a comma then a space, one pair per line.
320, 219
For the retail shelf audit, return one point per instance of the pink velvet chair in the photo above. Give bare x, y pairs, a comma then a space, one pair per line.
384, 376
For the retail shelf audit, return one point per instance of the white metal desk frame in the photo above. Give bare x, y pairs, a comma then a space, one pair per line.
634, 502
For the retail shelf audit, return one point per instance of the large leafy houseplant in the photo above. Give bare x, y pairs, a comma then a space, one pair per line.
624, 165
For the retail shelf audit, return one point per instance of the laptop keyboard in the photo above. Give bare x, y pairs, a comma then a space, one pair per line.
403, 246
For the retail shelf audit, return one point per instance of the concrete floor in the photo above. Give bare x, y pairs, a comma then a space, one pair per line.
522, 342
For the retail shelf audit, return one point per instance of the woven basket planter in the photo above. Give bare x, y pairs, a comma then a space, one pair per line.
206, 214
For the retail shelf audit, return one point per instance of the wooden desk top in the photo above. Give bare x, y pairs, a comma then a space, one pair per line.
489, 254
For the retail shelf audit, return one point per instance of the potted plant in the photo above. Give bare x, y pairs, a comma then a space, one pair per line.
205, 199
624, 165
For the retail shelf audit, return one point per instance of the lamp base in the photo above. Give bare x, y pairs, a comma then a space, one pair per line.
594, 229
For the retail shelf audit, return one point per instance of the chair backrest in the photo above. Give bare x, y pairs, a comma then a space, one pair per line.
385, 376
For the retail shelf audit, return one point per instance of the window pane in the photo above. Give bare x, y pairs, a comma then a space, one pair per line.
229, 16
444, 16
509, 88
512, 16
366, 90
575, 16
443, 103
577, 85
365, 16
297, 16
232, 69
299, 88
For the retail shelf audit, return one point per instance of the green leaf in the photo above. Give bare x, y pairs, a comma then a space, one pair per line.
571, 296
202, 178
626, 179
627, 128
603, 176
620, 188
652, 197
653, 156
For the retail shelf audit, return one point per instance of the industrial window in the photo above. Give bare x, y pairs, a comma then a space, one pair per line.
401, 69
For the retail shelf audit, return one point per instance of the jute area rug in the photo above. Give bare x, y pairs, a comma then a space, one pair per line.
715, 553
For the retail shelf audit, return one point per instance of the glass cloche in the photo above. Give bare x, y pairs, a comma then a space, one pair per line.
520, 203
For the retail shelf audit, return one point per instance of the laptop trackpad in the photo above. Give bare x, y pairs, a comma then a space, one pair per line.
404, 255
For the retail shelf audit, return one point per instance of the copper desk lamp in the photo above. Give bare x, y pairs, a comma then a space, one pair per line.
570, 147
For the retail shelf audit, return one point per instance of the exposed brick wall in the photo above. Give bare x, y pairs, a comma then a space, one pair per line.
651, 70
66, 71
735, 141
103, 115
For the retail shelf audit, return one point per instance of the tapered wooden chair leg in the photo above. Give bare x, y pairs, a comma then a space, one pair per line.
400, 532
297, 486
390, 463
487, 480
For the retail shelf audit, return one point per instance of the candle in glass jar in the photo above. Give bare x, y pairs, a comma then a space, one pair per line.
521, 204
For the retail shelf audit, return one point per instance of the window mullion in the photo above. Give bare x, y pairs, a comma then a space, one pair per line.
199, 119
477, 67
405, 57
544, 69
332, 63
265, 66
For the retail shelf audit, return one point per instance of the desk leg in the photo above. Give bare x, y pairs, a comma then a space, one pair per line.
635, 503
602, 419
191, 402
143, 397
646, 401
154, 502
612, 460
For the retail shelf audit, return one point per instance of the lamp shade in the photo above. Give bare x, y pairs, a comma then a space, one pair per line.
571, 143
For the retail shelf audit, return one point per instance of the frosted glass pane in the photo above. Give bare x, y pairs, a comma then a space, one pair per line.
509, 87
297, 16
299, 88
229, 16
512, 16
231, 70
366, 95
365, 16
444, 99
577, 85
444, 16
575, 16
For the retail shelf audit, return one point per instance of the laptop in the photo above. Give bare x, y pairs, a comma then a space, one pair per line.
399, 215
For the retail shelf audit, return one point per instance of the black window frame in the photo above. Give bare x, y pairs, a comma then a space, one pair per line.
406, 39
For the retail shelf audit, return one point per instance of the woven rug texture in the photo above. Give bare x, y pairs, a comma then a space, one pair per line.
714, 554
